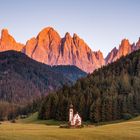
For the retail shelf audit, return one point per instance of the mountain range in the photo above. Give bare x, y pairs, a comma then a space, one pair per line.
49, 48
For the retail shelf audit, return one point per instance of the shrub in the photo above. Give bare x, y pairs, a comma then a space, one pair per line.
127, 116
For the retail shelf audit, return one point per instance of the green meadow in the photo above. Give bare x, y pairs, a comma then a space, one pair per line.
30, 129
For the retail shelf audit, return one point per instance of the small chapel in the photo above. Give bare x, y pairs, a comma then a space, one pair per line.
74, 119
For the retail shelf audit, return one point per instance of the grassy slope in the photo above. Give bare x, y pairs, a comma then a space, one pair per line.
119, 131
32, 119
136, 119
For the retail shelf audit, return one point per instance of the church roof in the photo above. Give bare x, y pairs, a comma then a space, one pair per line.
76, 116
71, 106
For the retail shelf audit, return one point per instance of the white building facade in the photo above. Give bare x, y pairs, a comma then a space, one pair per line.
74, 119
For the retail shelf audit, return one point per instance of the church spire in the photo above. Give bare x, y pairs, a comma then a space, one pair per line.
70, 112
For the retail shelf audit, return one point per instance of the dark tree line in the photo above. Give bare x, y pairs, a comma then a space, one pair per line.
11, 111
109, 93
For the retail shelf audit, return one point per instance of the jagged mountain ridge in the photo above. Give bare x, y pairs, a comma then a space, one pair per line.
124, 49
49, 48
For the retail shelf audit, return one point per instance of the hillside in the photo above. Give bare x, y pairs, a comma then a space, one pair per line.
109, 93
22, 79
72, 73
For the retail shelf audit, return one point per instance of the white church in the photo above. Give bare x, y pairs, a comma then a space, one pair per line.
74, 119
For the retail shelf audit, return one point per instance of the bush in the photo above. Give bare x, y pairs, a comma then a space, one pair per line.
127, 116
136, 114
13, 121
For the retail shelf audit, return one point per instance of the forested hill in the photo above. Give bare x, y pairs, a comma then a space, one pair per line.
22, 79
111, 92
72, 72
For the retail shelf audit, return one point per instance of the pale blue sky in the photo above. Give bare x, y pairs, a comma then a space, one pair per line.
101, 23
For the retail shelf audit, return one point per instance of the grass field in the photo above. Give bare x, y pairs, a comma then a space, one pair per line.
27, 131
33, 129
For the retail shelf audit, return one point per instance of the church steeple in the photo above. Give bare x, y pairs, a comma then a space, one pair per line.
70, 112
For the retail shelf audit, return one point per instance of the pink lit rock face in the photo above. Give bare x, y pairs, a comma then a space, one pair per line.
7, 42
110, 57
49, 48
138, 44
45, 47
124, 49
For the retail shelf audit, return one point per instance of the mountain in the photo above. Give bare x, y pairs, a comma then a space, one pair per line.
23, 79
124, 49
138, 45
49, 48
7, 42
109, 93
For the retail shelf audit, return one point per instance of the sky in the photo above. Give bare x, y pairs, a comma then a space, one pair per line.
101, 23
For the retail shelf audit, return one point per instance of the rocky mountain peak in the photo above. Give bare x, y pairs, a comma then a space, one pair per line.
7, 42
111, 55
5, 36
138, 44
75, 36
4, 32
125, 42
125, 48
68, 36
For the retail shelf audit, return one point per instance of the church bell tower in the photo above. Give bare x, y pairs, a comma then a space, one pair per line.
70, 113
